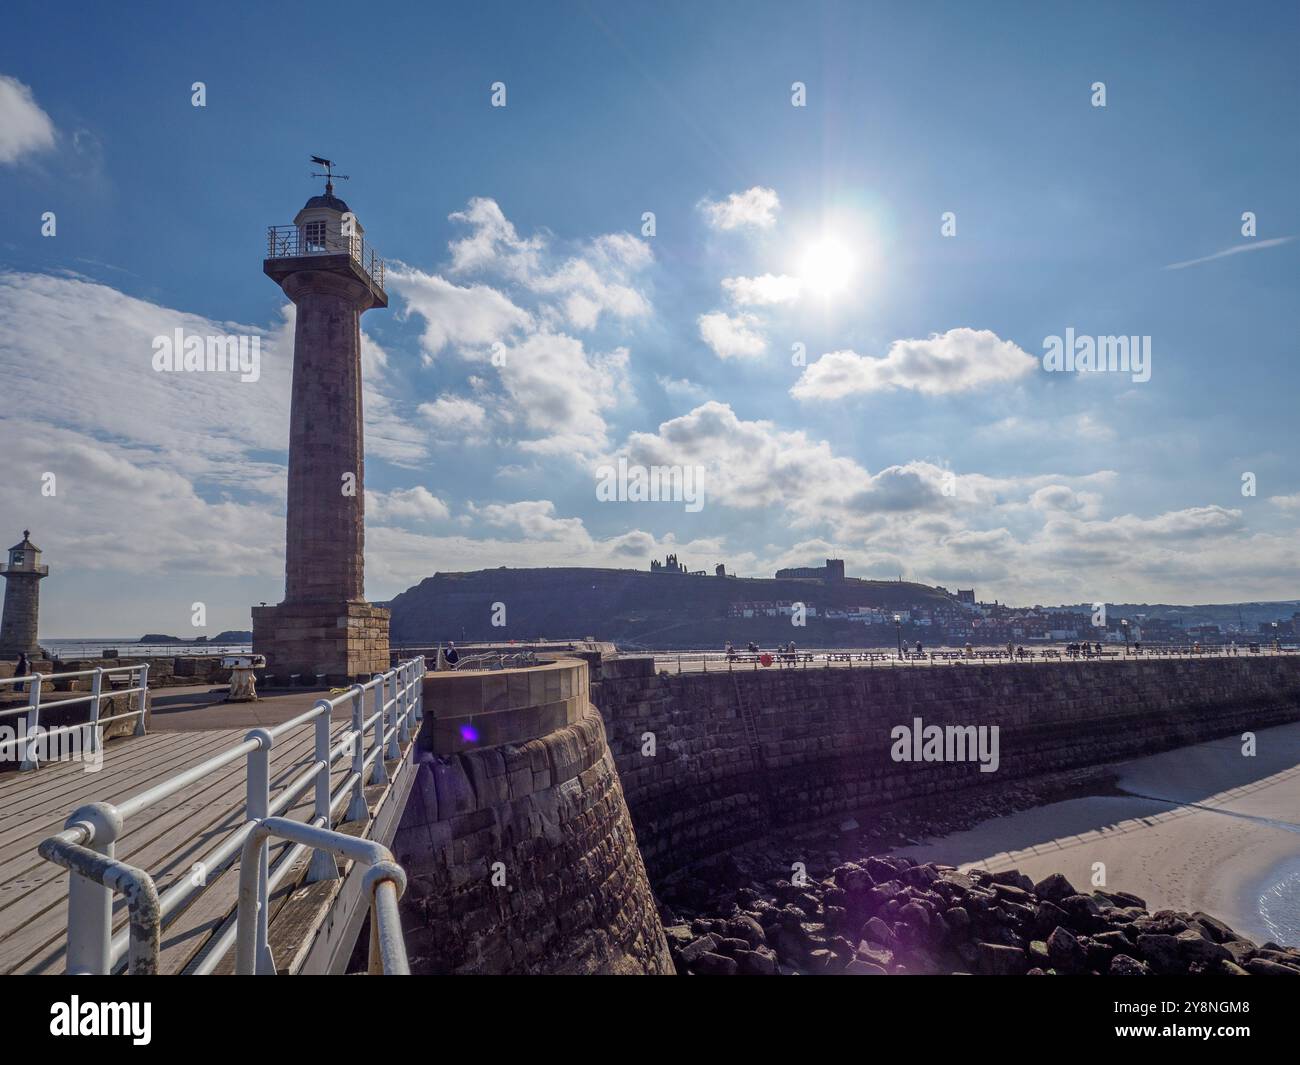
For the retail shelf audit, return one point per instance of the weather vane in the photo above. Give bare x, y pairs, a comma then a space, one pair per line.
329, 174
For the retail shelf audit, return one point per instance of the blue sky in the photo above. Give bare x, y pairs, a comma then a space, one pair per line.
775, 225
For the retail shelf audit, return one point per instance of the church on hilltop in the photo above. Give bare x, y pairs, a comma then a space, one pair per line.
832, 571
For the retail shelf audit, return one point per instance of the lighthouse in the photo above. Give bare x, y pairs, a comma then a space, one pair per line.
324, 625
23, 574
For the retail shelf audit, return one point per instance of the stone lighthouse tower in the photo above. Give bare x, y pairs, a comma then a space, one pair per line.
23, 574
324, 625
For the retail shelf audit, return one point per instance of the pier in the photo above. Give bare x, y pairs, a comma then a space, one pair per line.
302, 805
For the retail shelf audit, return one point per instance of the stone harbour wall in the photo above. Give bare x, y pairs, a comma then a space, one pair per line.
823, 735
521, 858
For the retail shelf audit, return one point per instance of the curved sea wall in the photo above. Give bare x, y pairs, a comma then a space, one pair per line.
712, 761
518, 846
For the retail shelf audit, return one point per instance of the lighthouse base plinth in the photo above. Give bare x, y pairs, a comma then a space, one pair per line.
344, 642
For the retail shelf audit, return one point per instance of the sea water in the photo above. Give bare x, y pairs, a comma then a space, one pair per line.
1279, 903
127, 647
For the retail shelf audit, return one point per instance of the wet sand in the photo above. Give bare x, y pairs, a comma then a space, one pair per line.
1199, 828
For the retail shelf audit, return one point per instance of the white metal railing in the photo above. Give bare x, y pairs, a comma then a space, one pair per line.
777, 658
290, 242
87, 843
515, 660
32, 734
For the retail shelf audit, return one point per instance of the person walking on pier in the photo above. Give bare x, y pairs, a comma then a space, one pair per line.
21, 669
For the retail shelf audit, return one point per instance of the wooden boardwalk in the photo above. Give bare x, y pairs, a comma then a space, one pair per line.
167, 840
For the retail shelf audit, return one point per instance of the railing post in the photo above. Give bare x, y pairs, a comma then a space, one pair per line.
380, 774
30, 758
323, 865
393, 752
357, 809
96, 687
404, 698
258, 808
143, 696
418, 670
90, 903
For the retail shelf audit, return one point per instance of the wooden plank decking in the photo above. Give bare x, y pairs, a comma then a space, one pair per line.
167, 840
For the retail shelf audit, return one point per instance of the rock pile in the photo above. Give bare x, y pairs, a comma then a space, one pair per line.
889, 914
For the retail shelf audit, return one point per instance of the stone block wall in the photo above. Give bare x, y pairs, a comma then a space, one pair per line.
344, 641
483, 708
824, 734
521, 856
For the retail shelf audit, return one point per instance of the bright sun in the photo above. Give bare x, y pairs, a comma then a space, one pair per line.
827, 266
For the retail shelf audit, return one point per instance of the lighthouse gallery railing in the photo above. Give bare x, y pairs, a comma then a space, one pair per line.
290, 242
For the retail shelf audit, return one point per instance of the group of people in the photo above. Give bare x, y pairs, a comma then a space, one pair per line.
753, 649
1086, 649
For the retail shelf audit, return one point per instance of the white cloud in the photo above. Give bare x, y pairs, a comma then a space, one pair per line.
1189, 524
535, 519
1021, 538
24, 127
493, 243
751, 463
754, 208
588, 288
1081, 427
598, 278
454, 416
730, 337
57, 330
126, 508
956, 361
547, 387
473, 316
556, 389
681, 387
190, 463
417, 504
1061, 497
763, 291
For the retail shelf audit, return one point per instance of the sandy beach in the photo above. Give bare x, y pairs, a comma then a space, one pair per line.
1200, 828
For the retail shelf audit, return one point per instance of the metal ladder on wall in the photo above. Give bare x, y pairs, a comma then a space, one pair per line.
755, 750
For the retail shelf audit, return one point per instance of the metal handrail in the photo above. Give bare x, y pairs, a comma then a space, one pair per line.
398, 703
497, 661
32, 732
709, 661
291, 242
384, 882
